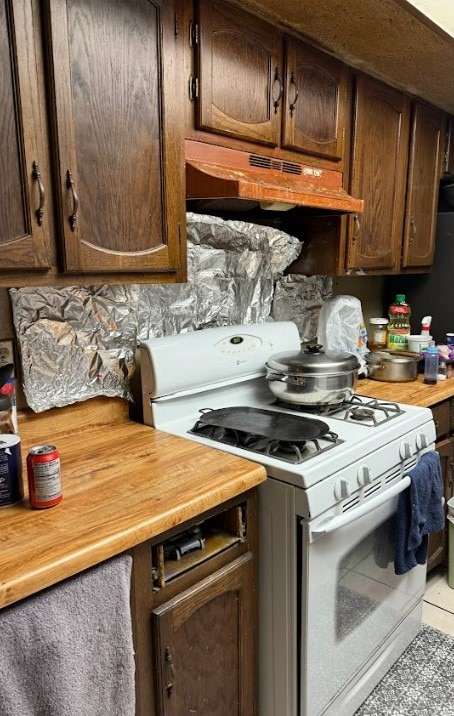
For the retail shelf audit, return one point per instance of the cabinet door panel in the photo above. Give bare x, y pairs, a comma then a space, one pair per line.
24, 238
438, 541
204, 646
314, 102
240, 77
116, 158
427, 138
378, 175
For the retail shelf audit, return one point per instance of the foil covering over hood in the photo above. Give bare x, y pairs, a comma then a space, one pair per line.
232, 267
80, 342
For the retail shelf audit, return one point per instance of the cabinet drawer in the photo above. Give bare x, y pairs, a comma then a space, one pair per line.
442, 418
201, 543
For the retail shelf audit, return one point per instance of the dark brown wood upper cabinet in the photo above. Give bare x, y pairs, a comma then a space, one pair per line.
24, 232
315, 101
239, 74
118, 134
378, 175
426, 146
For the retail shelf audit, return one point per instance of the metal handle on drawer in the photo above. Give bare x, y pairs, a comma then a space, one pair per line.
334, 523
36, 174
70, 184
169, 660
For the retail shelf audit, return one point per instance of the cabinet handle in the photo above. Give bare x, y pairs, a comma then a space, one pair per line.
412, 230
70, 185
171, 682
357, 228
297, 92
36, 174
277, 78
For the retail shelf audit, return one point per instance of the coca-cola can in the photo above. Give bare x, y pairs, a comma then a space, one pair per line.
44, 476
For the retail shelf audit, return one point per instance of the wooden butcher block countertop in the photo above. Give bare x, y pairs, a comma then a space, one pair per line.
123, 483
415, 392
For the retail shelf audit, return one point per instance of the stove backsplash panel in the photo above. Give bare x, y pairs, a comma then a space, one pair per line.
79, 342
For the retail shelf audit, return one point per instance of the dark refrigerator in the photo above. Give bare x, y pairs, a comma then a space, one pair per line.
431, 294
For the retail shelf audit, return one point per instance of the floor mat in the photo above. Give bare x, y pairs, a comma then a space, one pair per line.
421, 682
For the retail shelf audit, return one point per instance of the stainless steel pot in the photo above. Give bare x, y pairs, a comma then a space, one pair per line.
392, 366
312, 376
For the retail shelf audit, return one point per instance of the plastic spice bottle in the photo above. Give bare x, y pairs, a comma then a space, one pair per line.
378, 333
399, 324
431, 359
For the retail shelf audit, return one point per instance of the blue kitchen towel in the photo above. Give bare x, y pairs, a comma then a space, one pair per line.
419, 513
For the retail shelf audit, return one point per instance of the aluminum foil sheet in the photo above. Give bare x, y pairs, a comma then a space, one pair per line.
232, 267
75, 342
299, 299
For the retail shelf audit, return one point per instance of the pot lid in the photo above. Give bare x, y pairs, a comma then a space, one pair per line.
313, 360
221, 173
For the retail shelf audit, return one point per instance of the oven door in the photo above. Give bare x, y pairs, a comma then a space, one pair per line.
352, 600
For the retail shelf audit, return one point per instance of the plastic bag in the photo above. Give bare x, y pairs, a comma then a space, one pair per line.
341, 327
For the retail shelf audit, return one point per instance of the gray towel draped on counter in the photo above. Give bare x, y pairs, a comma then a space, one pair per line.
68, 650
419, 513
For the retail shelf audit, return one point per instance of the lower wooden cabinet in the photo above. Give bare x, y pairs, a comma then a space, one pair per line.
204, 644
438, 542
195, 616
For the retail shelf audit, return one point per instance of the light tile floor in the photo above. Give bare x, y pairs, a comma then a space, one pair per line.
438, 607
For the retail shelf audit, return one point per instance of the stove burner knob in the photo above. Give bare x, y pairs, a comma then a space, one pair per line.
364, 476
405, 451
342, 489
422, 441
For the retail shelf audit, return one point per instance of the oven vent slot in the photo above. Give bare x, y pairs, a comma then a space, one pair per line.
392, 475
351, 503
370, 490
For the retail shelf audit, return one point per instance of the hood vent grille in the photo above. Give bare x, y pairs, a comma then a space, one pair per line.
257, 160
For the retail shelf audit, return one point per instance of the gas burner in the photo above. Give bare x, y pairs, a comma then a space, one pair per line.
360, 414
295, 450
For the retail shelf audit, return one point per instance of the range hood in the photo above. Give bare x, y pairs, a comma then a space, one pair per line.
214, 172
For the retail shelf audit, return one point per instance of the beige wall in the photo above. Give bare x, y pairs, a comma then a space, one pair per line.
441, 12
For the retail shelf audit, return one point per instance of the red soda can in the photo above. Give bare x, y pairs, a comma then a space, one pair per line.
44, 477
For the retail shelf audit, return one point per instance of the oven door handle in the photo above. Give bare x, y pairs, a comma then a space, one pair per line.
334, 523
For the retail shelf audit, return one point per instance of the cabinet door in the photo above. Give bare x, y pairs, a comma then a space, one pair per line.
240, 74
378, 176
205, 646
426, 146
24, 237
119, 135
438, 540
315, 101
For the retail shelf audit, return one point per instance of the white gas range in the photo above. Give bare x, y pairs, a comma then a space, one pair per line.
333, 616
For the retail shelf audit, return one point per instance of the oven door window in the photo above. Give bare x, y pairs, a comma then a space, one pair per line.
351, 601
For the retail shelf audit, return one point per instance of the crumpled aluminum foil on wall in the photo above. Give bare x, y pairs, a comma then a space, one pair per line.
79, 342
299, 299
75, 342
232, 267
